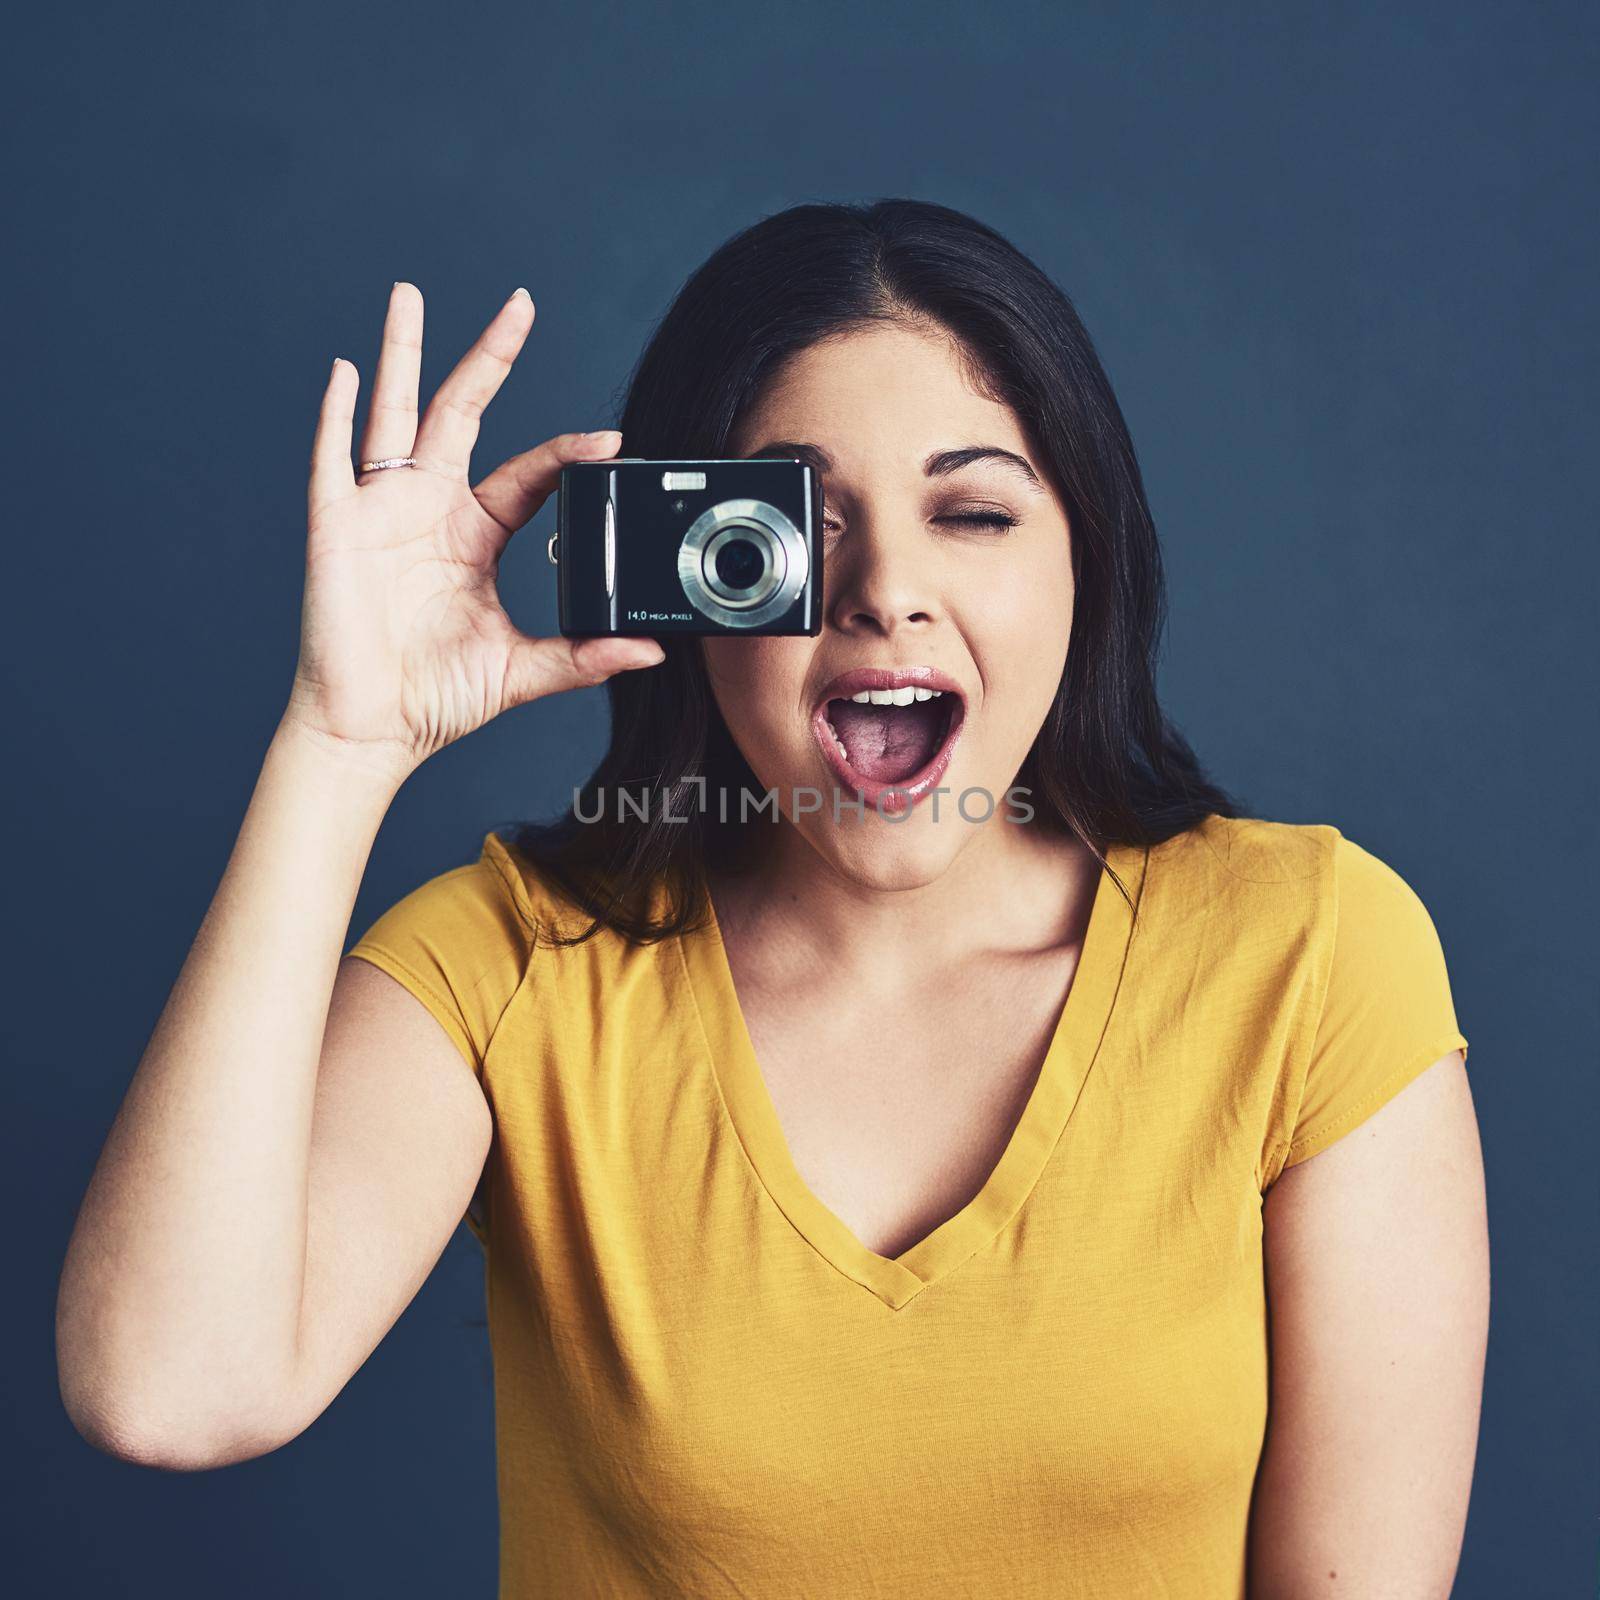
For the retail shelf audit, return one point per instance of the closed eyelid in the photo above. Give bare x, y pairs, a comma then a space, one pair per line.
995, 516
942, 502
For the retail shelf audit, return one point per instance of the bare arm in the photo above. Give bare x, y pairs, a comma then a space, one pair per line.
291, 1156
398, 1144
1377, 1256
181, 1295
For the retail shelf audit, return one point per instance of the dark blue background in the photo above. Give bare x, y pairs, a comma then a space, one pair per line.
1339, 262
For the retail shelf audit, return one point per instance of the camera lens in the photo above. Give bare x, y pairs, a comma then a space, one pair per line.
743, 563
740, 564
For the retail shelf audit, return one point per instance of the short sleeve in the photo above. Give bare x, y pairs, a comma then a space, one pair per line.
460, 943
1387, 1013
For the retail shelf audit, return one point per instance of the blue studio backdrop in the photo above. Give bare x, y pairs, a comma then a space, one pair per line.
1339, 262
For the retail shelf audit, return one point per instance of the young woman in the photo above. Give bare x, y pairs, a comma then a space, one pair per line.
995, 1179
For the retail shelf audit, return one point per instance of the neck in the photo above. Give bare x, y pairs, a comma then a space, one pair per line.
1013, 887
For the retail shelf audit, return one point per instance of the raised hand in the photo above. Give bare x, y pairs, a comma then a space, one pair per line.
404, 645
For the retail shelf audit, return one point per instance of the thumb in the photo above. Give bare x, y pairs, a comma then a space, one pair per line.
537, 667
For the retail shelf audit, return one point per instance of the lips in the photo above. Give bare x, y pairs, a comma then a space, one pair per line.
887, 733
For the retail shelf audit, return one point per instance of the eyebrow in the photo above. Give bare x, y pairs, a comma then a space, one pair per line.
939, 465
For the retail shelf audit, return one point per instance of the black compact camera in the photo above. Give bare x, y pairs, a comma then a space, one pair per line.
700, 547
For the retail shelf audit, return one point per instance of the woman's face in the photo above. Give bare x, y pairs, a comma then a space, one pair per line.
940, 571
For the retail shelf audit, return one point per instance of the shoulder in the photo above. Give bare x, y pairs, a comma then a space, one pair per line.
483, 918
1260, 887
553, 915
1303, 903
1312, 956
493, 900
1310, 864
519, 881
1259, 850
1351, 908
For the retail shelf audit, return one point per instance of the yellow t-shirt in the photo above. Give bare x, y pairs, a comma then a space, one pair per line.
706, 1386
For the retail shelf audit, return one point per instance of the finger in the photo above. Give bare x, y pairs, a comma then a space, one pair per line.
515, 490
538, 667
332, 476
450, 425
392, 416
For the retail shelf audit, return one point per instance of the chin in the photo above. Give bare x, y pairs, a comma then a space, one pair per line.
887, 845
877, 854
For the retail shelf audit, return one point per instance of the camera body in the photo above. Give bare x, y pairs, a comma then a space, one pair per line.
695, 547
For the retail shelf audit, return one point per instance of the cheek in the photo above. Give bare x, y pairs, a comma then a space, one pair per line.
1035, 590
758, 685
1019, 628
1024, 608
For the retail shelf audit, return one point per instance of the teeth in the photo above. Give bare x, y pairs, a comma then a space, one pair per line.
894, 697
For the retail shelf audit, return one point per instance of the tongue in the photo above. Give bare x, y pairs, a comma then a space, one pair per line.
887, 744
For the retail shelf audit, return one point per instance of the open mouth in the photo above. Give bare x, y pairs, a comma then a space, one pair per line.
889, 735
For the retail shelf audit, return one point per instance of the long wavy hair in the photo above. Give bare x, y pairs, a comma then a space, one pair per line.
1107, 766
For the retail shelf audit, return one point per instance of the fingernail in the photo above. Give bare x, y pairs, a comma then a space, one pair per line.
654, 659
602, 436
523, 292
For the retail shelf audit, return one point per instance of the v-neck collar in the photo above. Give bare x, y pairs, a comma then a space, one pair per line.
1078, 1031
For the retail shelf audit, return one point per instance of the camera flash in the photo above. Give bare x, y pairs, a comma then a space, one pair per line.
682, 480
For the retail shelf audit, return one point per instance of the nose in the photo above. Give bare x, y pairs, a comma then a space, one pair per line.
875, 583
